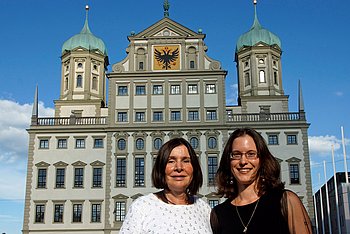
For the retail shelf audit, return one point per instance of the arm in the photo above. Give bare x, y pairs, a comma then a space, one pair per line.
298, 219
132, 221
214, 222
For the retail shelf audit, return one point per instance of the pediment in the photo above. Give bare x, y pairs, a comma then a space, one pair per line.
293, 160
165, 28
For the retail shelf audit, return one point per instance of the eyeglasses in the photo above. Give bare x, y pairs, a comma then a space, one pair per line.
250, 155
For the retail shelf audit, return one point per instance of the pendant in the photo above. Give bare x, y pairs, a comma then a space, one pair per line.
245, 229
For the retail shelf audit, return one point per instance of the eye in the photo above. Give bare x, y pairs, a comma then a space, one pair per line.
187, 160
171, 161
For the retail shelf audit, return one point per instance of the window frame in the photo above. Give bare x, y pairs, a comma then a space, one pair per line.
121, 172
139, 172
122, 90
97, 177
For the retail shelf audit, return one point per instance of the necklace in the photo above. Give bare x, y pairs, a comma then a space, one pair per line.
239, 216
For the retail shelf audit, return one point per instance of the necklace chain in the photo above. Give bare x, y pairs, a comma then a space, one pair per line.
239, 216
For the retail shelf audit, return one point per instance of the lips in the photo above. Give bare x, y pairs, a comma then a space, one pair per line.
244, 170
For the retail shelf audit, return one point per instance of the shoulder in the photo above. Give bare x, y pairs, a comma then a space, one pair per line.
144, 200
291, 196
200, 202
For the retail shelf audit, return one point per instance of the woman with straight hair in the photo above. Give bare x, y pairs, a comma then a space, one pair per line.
175, 208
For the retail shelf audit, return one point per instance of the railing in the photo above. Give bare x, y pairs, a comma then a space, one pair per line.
267, 117
70, 121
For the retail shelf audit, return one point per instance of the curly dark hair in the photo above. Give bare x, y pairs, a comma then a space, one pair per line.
158, 171
268, 174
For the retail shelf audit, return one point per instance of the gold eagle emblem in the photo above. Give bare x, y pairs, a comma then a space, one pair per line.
166, 57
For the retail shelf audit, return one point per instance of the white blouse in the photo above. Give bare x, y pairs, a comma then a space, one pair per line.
148, 214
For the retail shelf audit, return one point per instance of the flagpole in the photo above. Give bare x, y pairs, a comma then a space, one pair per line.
327, 199
315, 205
336, 191
344, 152
321, 205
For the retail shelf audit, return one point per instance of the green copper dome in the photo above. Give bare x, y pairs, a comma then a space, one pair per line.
86, 40
257, 34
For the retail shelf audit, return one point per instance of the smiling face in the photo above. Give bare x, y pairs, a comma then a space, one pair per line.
179, 170
244, 170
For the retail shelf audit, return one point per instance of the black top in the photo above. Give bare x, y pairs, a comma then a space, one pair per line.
267, 218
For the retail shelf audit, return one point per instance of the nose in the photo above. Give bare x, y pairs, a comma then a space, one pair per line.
178, 166
243, 159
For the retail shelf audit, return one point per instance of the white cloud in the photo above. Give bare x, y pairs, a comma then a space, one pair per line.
339, 93
232, 95
322, 145
14, 120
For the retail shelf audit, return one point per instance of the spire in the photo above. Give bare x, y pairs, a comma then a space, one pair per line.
256, 23
35, 107
301, 100
86, 28
166, 6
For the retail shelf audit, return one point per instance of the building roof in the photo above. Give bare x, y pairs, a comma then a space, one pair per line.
85, 39
257, 34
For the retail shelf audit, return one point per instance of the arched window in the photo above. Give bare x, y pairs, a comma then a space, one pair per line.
66, 83
94, 83
212, 143
157, 143
121, 144
79, 81
194, 142
262, 76
140, 144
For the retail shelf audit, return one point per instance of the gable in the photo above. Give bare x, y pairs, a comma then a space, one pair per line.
166, 28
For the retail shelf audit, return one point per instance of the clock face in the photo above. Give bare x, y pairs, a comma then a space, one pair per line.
166, 57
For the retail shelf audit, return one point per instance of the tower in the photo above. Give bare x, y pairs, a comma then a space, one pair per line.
84, 61
258, 57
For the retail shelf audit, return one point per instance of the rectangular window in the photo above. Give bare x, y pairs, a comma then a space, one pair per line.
175, 89
97, 177
119, 211
140, 117
39, 213
140, 65
292, 139
212, 168
44, 144
273, 139
192, 89
122, 117
210, 88
211, 115
213, 203
42, 178
193, 115
62, 143
157, 116
58, 213
140, 90
121, 172
192, 65
122, 90
98, 143
175, 116
60, 174
78, 177
96, 213
157, 89
139, 172
80, 143
77, 213
294, 173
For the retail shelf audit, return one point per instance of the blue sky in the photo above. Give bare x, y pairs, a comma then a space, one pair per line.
314, 37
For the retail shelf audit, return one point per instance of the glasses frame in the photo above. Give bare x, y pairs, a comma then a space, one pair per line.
250, 155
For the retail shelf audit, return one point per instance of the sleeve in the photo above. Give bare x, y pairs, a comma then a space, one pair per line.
298, 219
214, 222
132, 223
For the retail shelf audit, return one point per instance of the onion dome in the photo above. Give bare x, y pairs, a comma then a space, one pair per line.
85, 39
257, 34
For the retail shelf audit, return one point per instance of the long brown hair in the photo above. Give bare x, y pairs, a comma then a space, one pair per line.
268, 174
